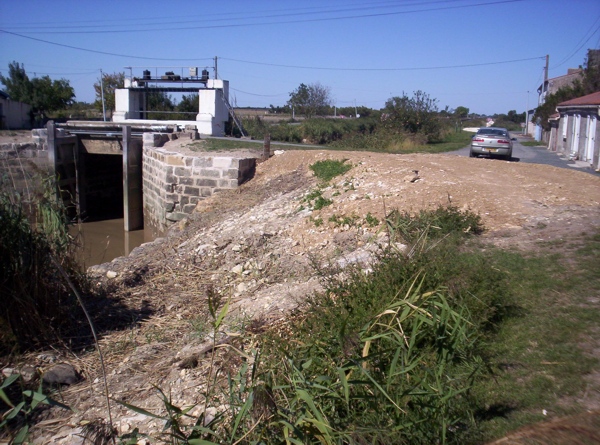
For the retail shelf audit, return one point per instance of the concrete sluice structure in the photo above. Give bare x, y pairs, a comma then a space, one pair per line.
214, 110
110, 170
117, 169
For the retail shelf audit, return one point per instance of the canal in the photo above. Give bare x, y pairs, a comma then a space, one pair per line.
103, 241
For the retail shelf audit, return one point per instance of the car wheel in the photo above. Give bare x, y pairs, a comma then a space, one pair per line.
472, 155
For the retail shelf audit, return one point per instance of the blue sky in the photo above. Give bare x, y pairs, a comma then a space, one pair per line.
482, 54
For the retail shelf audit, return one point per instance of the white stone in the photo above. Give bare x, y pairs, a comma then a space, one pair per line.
237, 269
111, 274
401, 247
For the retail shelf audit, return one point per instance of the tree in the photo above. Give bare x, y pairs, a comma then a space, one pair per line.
42, 93
110, 82
515, 117
461, 112
189, 104
157, 102
417, 114
17, 84
51, 95
310, 100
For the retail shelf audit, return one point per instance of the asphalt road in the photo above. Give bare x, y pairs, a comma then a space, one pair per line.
536, 155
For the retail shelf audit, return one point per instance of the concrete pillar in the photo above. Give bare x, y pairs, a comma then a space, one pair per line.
63, 157
129, 104
212, 109
133, 211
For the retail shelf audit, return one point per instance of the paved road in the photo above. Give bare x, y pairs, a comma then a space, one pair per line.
537, 155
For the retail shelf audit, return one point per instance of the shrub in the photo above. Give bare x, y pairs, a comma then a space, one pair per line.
435, 223
37, 306
389, 356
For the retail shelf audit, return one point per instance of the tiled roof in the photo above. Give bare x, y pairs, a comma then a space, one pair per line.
590, 99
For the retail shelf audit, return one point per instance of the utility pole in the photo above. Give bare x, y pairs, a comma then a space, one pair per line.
216, 68
546, 69
102, 94
526, 116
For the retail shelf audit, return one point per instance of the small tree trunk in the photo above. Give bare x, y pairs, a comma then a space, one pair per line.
267, 147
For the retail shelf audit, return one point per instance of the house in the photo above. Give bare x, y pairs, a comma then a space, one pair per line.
14, 115
575, 131
551, 86
548, 87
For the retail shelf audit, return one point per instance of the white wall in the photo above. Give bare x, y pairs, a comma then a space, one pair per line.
212, 109
14, 115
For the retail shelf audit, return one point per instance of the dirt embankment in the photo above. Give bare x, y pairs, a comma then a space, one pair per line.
256, 246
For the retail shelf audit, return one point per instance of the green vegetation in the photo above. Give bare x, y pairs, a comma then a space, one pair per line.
352, 134
105, 89
213, 144
448, 342
416, 116
339, 221
37, 308
20, 416
434, 223
405, 125
536, 355
329, 169
384, 357
316, 201
42, 93
310, 100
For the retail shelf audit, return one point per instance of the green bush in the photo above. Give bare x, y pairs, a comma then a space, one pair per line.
389, 357
37, 306
434, 224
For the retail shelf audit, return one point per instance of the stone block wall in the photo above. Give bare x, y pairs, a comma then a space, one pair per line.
174, 183
23, 165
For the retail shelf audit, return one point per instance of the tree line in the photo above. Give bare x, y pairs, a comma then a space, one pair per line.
416, 114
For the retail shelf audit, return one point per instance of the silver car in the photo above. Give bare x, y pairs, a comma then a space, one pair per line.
492, 141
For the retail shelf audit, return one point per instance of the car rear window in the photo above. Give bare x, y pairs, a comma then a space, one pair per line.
492, 132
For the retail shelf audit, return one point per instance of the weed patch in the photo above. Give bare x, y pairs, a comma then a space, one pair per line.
316, 201
329, 169
434, 223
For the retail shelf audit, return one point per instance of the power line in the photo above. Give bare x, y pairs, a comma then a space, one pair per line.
96, 51
228, 16
566, 59
382, 69
278, 22
261, 95
273, 64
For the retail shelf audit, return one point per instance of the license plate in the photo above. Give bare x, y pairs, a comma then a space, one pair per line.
492, 150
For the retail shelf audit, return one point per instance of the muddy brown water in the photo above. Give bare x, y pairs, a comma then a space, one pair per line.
103, 241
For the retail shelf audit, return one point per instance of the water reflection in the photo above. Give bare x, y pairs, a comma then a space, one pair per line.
102, 241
